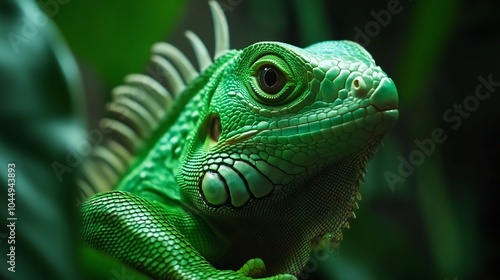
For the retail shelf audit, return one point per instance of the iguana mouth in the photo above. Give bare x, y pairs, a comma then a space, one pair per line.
376, 114
241, 137
385, 96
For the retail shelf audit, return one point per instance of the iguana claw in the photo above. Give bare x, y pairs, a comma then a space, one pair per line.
255, 268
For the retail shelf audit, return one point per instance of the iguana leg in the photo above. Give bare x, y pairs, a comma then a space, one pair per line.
253, 268
135, 231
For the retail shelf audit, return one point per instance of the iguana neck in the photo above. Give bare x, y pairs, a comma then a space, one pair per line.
322, 196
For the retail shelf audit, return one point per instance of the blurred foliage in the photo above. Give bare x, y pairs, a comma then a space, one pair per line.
115, 37
40, 92
43, 123
434, 224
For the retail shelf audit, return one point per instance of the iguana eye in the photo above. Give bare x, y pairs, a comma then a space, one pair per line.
271, 79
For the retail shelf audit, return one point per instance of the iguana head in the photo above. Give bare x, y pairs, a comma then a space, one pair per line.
280, 115
289, 131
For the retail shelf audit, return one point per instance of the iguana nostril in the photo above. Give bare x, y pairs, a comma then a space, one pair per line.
359, 86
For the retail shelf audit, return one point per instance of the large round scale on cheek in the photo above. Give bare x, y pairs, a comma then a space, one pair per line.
259, 185
237, 190
213, 189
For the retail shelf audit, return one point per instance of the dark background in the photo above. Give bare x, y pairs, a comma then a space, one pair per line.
436, 223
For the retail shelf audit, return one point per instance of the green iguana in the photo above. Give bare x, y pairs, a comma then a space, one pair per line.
254, 160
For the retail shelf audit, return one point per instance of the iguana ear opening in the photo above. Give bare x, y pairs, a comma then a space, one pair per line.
213, 130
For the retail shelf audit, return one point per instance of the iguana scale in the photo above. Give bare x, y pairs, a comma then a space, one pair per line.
254, 160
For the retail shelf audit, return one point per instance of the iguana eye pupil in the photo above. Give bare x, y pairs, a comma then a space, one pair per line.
271, 79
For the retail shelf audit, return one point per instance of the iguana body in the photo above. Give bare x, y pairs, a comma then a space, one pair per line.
260, 156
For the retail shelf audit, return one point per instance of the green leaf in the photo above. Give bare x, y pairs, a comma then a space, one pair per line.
115, 37
39, 92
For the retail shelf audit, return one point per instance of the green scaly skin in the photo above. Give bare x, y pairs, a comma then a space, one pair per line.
245, 174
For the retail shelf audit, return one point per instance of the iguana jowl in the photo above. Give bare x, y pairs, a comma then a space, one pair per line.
253, 161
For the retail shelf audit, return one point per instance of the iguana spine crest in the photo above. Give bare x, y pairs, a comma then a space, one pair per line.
142, 103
